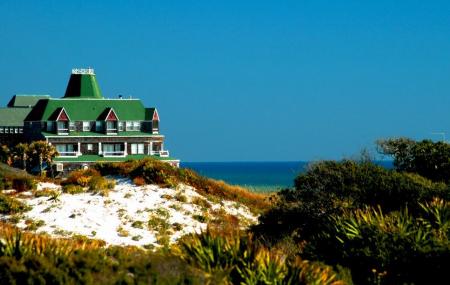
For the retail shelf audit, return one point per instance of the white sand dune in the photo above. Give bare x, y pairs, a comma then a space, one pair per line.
117, 218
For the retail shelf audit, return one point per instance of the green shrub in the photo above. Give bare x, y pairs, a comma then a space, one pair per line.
72, 189
239, 259
329, 187
101, 185
391, 248
10, 205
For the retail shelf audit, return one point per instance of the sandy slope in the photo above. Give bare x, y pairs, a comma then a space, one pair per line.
111, 218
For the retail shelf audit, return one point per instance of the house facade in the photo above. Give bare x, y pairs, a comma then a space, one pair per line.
86, 127
13, 116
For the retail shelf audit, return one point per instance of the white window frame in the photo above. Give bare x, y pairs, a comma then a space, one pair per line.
120, 125
90, 147
86, 126
129, 125
136, 126
134, 148
140, 148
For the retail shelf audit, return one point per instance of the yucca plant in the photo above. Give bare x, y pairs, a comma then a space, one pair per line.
16, 243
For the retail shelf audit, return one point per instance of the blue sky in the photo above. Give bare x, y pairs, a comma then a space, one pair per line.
246, 80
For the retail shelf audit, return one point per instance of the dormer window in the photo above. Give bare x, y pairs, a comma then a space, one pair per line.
111, 121
62, 127
155, 123
63, 122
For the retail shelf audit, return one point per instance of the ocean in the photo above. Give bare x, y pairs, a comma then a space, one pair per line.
256, 176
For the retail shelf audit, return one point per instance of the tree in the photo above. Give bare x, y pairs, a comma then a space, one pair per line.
5, 156
42, 151
427, 158
20, 152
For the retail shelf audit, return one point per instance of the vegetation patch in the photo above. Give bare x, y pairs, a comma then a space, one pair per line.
10, 205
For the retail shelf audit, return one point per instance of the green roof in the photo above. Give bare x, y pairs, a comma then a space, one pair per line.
90, 109
97, 134
98, 158
13, 117
83, 86
25, 100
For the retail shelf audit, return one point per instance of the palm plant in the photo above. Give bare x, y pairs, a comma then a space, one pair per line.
20, 152
5, 154
43, 152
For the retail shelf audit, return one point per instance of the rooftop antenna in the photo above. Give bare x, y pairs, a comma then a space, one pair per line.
442, 134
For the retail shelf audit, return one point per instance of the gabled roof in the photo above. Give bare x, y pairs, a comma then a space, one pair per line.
13, 117
149, 113
25, 100
58, 113
91, 109
107, 113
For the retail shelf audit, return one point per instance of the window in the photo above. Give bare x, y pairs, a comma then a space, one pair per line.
20, 131
6, 130
72, 126
129, 126
86, 126
65, 149
62, 126
111, 126
137, 148
121, 126
16, 130
98, 126
110, 148
90, 147
50, 126
1, 130
136, 126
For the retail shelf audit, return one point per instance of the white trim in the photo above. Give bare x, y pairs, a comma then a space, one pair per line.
118, 136
57, 118
115, 114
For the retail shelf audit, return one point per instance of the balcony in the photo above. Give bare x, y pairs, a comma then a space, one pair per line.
62, 131
68, 153
160, 153
113, 153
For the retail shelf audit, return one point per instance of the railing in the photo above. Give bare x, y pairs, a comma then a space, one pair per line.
62, 131
111, 131
161, 153
113, 153
68, 153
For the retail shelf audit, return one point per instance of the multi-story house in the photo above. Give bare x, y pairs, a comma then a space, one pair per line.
85, 127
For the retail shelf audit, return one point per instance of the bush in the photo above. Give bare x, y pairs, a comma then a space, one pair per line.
426, 158
10, 205
23, 184
393, 248
100, 183
238, 259
72, 189
139, 181
329, 187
